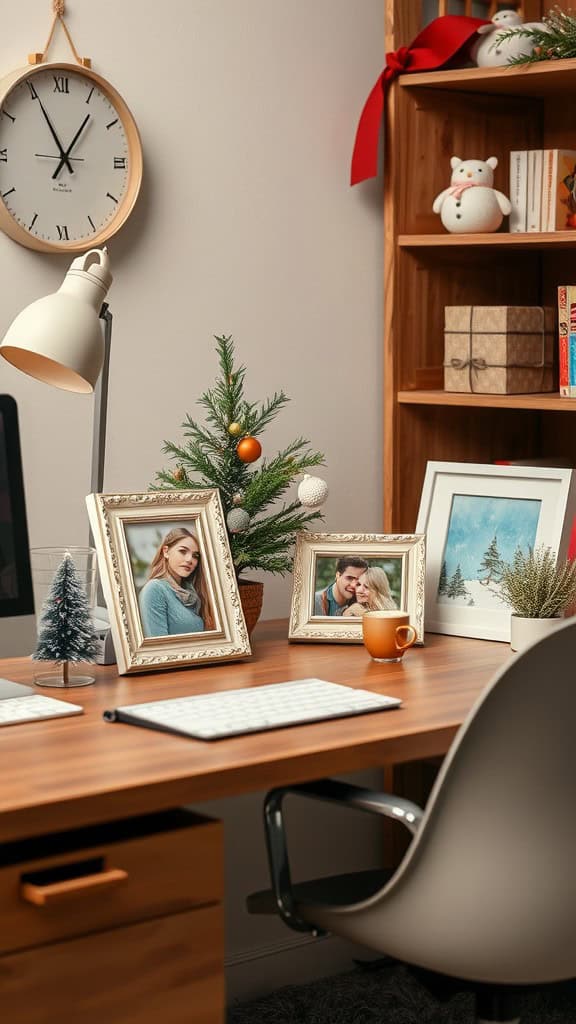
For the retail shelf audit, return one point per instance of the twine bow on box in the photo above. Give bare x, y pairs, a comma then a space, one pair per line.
476, 364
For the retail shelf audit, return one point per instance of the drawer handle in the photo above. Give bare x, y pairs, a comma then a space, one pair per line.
56, 892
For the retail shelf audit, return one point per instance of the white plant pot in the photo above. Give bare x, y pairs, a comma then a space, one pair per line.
524, 632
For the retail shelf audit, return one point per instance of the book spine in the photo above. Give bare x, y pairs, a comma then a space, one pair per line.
564, 376
518, 189
571, 303
534, 200
547, 212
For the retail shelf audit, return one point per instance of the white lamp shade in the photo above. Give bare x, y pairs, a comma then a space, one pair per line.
58, 339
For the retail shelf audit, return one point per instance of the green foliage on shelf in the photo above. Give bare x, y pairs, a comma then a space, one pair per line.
555, 42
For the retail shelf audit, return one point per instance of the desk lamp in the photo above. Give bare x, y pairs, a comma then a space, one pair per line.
64, 340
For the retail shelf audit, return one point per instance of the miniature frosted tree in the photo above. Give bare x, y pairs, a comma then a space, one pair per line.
491, 563
66, 630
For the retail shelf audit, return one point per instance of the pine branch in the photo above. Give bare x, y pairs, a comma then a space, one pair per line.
210, 459
557, 41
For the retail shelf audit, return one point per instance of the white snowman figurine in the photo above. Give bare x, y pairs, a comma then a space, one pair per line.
471, 203
490, 52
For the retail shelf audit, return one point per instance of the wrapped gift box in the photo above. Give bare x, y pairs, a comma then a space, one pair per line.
498, 350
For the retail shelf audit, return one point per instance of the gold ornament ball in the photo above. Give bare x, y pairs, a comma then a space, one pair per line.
234, 429
178, 474
237, 498
249, 449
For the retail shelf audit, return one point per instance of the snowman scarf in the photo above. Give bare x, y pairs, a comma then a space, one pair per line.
441, 41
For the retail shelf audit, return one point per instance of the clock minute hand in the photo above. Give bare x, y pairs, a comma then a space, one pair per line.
65, 157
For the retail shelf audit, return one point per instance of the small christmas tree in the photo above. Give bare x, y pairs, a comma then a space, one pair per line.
456, 587
491, 563
220, 454
443, 580
66, 634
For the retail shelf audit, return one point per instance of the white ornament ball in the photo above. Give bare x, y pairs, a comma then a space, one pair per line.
492, 52
313, 491
237, 520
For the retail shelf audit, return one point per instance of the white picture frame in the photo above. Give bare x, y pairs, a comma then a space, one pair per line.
465, 505
317, 554
130, 531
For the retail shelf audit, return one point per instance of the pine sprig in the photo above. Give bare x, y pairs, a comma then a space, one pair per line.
557, 41
535, 586
209, 458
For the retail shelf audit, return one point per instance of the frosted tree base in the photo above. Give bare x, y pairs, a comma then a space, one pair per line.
55, 679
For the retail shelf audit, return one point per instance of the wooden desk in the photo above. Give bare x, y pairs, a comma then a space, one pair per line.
62, 774
152, 944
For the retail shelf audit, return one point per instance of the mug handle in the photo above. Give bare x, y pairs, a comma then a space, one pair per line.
410, 642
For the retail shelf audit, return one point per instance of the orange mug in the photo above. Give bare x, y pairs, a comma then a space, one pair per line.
387, 634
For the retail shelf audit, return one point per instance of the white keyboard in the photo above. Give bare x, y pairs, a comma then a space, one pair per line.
215, 716
31, 709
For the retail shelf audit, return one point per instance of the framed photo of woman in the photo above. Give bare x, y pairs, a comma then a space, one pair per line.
168, 579
340, 576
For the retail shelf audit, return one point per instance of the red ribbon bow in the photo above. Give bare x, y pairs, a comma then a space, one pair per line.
435, 45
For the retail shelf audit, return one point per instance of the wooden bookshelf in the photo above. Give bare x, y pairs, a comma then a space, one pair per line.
430, 118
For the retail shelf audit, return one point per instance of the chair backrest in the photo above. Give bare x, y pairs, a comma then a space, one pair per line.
487, 890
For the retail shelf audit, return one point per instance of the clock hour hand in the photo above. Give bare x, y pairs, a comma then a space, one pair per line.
65, 157
55, 137
54, 156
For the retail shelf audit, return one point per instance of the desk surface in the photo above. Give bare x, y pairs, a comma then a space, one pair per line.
59, 774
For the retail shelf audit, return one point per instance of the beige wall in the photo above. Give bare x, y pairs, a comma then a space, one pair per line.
246, 225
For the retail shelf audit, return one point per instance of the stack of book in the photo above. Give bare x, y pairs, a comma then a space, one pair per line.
543, 190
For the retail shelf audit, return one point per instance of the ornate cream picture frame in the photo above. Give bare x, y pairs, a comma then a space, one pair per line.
132, 533
317, 555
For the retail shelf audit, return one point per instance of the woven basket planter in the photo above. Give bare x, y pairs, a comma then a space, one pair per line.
251, 594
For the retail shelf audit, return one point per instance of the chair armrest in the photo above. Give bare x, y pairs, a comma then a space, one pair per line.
333, 792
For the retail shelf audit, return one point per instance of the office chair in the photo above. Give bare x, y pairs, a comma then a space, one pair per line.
486, 892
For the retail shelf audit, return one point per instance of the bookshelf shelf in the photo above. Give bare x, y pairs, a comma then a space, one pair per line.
550, 78
520, 240
548, 401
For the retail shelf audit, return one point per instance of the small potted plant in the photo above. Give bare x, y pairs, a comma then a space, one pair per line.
539, 590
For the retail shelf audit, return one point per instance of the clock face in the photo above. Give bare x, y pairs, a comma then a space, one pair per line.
67, 159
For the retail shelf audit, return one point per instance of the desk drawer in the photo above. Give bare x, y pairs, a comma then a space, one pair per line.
98, 877
169, 970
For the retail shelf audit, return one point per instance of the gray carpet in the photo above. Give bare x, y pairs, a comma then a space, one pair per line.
389, 995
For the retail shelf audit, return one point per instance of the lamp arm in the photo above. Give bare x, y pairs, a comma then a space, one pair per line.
333, 791
101, 407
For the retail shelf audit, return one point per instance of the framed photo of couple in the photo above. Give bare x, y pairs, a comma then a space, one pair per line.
340, 576
168, 579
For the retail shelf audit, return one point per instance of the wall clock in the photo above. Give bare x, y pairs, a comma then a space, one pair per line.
70, 158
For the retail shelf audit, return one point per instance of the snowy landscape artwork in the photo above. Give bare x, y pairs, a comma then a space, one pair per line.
482, 533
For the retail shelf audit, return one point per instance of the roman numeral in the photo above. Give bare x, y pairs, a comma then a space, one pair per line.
92, 224
61, 83
110, 196
90, 95
6, 114
33, 93
8, 193
32, 222
119, 163
4, 156
112, 123
62, 233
